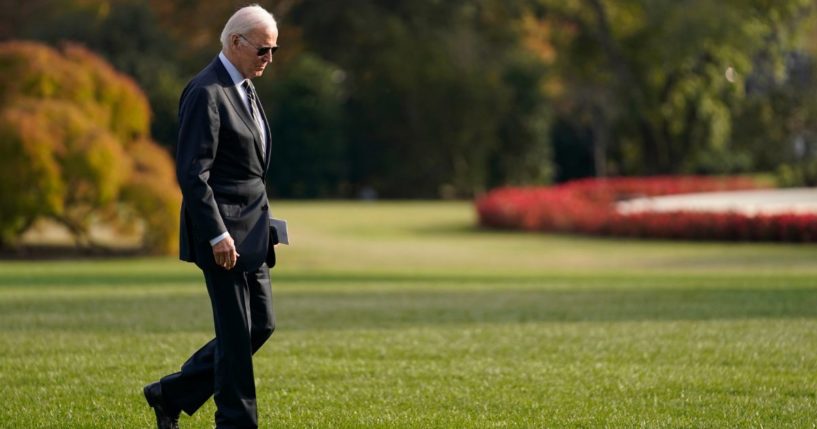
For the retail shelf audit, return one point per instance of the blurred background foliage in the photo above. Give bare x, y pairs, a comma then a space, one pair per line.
75, 147
431, 98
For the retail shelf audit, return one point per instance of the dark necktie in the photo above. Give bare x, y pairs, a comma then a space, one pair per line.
253, 112
250, 100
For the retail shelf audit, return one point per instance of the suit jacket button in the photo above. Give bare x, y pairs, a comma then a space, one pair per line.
264, 208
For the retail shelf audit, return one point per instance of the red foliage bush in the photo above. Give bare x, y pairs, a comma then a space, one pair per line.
588, 206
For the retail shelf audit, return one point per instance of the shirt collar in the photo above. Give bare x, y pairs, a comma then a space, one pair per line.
235, 75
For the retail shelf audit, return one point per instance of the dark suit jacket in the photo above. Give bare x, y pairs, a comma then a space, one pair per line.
221, 168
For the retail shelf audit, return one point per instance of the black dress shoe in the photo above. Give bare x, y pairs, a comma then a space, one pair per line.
165, 418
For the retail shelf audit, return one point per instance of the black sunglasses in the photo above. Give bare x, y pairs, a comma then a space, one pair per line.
262, 50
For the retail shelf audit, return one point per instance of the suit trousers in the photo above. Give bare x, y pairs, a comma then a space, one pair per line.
244, 320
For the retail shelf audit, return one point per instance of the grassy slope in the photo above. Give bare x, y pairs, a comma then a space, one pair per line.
402, 315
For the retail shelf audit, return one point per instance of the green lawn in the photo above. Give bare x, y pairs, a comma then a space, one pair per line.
405, 315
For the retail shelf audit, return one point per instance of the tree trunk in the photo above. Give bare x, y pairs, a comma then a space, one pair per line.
601, 140
655, 156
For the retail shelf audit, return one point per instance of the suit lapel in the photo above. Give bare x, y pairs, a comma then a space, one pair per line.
266, 127
263, 149
239, 106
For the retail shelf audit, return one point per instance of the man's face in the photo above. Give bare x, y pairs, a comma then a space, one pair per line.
246, 47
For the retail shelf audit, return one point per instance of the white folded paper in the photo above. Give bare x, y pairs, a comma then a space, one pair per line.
280, 226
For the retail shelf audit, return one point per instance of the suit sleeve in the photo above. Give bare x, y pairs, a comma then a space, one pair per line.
195, 153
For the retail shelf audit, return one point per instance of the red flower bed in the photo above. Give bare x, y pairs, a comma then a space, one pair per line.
588, 206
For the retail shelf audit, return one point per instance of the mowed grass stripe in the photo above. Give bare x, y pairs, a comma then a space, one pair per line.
576, 374
127, 308
550, 331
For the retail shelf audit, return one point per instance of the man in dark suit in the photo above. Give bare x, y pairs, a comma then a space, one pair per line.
221, 161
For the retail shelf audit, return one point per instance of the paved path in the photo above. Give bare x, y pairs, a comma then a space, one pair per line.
769, 201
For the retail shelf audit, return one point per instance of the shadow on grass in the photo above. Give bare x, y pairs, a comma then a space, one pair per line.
193, 276
43, 252
399, 309
123, 273
89, 279
403, 309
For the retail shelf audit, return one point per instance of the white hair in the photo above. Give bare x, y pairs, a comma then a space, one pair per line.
245, 20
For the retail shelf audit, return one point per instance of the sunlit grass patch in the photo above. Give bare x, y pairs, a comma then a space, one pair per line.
403, 315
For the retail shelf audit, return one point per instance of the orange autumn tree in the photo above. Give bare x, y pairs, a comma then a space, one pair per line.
75, 148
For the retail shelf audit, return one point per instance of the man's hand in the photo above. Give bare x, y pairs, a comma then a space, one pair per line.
225, 254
